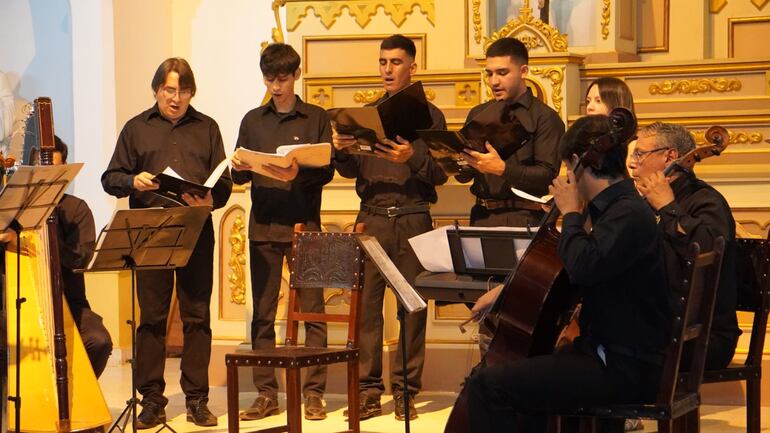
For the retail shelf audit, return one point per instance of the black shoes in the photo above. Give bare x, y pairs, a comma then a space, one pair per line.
314, 408
199, 413
152, 414
398, 400
368, 407
263, 406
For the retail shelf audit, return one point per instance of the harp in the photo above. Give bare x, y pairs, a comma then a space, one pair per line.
59, 390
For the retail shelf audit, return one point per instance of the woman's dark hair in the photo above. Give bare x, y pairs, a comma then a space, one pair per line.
279, 59
181, 67
614, 93
583, 133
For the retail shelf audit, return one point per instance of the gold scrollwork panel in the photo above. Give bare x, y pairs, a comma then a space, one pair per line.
233, 266
605, 19
695, 86
736, 137
361, 10
531, 31
556, 77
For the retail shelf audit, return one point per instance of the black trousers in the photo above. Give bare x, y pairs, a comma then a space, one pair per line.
96, 338
514, 397
393, 234
266, 271
193, 290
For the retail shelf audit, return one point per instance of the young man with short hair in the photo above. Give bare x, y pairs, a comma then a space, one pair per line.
396, 188
289, 196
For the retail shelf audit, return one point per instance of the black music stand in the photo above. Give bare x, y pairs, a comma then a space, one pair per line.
409, 301
26, 202
144, 239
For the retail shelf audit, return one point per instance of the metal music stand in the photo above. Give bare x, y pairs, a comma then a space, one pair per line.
26, 202
145, 239
409, 301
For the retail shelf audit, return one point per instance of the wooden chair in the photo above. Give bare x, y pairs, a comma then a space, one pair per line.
332, 260
677, 401
752, 267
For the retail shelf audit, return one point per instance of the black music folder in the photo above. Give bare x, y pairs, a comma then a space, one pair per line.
171, 185
399, 115
496, 124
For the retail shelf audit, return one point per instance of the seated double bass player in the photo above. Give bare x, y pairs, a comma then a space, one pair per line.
617, 267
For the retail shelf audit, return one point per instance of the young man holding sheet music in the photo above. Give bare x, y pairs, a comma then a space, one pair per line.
534, 165
172, 134
396, 186
280, 198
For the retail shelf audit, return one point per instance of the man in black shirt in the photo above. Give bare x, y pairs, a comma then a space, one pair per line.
690, 210
172, 134
618, 269
287, 197
534, 165
77, 240
396, 188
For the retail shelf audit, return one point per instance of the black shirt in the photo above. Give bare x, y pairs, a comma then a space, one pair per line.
149, 142
380, 182
704, 214
531, 168
619, 269
275, 205
77, 240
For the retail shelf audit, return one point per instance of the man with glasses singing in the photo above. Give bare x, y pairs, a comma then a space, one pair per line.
172, 134
690, 210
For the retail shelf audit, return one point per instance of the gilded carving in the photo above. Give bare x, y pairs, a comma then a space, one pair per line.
371, 95
715, 6
605, 19
525, 27
530, 41
361, 10
759, 4
237, 262
343, 295
277, 33
477, 21
695, 86
735, 137
467, 94
556, 76
321, 96
368, 96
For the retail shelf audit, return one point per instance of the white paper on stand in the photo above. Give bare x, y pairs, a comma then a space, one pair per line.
432, 248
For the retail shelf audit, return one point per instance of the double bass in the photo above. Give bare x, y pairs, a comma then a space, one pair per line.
537, 297
59, 390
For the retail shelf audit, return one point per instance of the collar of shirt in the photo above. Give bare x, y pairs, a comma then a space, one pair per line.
191, 114
522, 110
299, 109
604, 199
683, 185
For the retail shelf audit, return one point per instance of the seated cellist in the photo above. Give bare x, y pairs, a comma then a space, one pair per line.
618, 267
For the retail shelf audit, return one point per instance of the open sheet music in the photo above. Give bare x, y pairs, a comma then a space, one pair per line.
171, 185
409, 299
306, 155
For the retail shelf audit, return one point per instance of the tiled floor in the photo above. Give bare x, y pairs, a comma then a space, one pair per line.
434, 409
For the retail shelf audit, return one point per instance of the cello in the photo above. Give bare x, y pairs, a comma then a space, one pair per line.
537, 296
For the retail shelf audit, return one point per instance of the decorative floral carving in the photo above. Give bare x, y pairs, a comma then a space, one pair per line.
526, 26
530, 41
695, 86
321, 96
605, 19
556, 75
371, 95
277, 33
735, 137
361, 10
237, 277
477, 21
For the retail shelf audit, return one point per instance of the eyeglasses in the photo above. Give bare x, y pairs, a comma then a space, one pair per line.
640, 155
170, 92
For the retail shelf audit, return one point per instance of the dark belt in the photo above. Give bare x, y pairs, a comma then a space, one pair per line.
509, 203
394, 211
